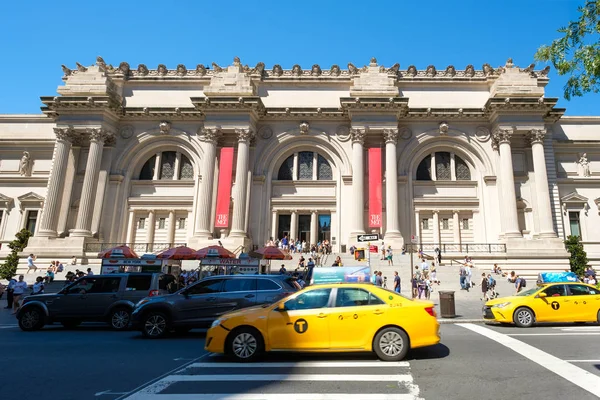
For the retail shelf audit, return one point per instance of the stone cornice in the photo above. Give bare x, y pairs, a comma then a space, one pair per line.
152, 113
236, 104
56, 105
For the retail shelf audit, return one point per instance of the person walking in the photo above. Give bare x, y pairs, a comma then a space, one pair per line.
463, 278
484, 287
310, 266
390, 256
469, 276
10, 289
414, 284
18, 293
396, 282
379, 279
30, 264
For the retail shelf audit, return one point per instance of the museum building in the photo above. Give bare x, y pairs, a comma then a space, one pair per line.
465, 160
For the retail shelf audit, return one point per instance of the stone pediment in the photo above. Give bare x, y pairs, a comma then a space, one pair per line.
30, 200
374, 80
6, 202
574, 198
230, 81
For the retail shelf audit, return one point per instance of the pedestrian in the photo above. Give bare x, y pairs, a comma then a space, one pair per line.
89, 272
38, 286
396, 282
434, 274
311, 266
463, 278
379, 279
374, 277
484, 287
73, 260
470, 282
414, 285
424, 265
390, 256
10, 289
49, 275
520, 283
19, 291
30, 264
439, 257
282, 270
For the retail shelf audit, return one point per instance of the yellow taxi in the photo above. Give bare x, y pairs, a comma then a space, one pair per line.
550, 302
328, 318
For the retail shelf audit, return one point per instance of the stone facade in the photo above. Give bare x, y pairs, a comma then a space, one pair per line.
470, 157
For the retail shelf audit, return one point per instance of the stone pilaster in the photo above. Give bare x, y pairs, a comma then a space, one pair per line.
436, 227
131, 228
209, 136
241, 182
536, 137
456, 226
358, 180
391, 184
294, 225
151, 226
509, 206
171, 232
314, 227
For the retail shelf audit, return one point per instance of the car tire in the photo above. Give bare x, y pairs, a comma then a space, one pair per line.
119, 318
155, 325
523, 317
31, 319
391, 344
71, 324
245, 344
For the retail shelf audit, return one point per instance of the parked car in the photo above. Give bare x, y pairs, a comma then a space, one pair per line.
109, 298
198, 305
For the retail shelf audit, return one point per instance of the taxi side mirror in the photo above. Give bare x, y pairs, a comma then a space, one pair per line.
542, 295
281, 307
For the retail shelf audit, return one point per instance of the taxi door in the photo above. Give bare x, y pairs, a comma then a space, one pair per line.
303, 324
585, 305
555, 306
356, 315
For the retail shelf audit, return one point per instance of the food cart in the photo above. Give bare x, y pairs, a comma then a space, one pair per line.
210, 266
143, 264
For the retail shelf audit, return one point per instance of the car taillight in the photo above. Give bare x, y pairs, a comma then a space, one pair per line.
153, 293
430, 311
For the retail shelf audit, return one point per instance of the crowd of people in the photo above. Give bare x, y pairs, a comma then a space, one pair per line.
296, 246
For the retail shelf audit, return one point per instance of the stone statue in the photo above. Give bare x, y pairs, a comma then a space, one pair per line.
26, 164
584, 165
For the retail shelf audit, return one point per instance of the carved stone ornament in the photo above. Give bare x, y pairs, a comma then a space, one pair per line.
304, 128
64, 134
343, 133
97, 134
236, 61
358, 135
509, 63
404, 132
431, 71
536, 136
259, 69
66, 70
165, 127
81, 68
352, 69
503, 135
335, 70
26, 164
411, 71
126, 131
545, 71
470, 71
265, 132
142, 70
482, 134
162, 69
181, 70
277, 70
450, 70
394, 69
210, 135
487, 69
390, 135
216, 67
200, 70
444, 128
100, 62
315, 70
296, 70
244, 135
124, 68
583, 166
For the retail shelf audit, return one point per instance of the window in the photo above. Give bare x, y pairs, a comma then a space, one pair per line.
181, 223
556, 291
323, 169
574, 223
318, 298
305, 165
462, 169
240, 285
138, 282
106, 285
167, 167
286, 171
205, 287
31, 221
465, 223
424, 170
161, 223
1, 215
445, 223
425, 224
141, 223
355, 297
579, 290
442, 166
186, 170
147, 172
267, 284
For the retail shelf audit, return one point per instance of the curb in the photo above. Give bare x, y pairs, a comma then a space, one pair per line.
460, 320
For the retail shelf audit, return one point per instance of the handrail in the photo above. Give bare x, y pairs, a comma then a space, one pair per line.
137, 247
240, 249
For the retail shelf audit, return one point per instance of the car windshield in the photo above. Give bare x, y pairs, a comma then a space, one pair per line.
528, 292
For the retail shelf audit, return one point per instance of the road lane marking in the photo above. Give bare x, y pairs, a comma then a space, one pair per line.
579, 328
277, 396
583, 361
556, 334
285, 377
316, 364
578, 376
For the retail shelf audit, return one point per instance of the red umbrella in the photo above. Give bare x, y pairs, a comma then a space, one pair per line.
273, 253
214, 251
118, 252
178, 253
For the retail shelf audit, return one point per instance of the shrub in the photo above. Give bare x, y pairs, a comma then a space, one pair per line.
9, 268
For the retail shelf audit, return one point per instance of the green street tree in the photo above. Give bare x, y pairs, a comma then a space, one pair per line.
578, 259
577, 52
9, 268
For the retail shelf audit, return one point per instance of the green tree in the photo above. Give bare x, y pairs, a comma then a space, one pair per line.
577, 52
578, 259
9, 268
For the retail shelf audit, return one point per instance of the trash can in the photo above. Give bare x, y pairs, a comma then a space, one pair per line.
447, 309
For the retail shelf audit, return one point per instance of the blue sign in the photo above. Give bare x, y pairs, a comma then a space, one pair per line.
355, 274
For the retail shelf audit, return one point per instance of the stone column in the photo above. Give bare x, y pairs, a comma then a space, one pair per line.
391, 184
274, 225
294, 225
536, 136
358, 181
177, 166
456, 227
131, 228
90, 180
171, 232
157, 162
436, 227
204, 205
295, 167
502, 136
314, 227
150, 228
64, 138
241, 182
418, 225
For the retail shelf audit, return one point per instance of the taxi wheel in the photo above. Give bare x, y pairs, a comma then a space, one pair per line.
391, 344
245, 344
523, 317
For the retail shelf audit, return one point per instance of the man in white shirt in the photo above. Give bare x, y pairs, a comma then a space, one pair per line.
19, 291
424, 266
30, 264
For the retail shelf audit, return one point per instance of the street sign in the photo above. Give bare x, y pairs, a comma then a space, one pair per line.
368, 238
414, 239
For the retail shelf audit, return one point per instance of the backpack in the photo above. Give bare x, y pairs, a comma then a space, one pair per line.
463, 271
523, 283
492, 281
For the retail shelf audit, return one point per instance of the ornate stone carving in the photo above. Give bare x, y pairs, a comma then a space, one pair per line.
236, 61
165, 127
210, 135
64, 134
277, 70
529, 70
244, 135
97, 134
296, 70
390, 135
304, 128
200, 70
66, 70
216, 67
81, 68
470, 71
487, 69
394, 69
536, 135
259, 69
181, 70
431, 71
352, 69
142, 70
100, 62
335, 70
444, 128
411, 71
404, 132
26, 164
126, 131
450, 70
502, 135
343, 133
482, 134
265, 132
509, 63
545, 71
315, 70
162, 69
583, 166
358, 135
124, 68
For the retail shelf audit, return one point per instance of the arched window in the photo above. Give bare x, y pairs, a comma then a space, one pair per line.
171, 165
463, 173
424, 170
309, 166
442, 166
448, 167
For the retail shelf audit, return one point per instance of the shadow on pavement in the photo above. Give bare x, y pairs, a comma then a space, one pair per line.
428, 353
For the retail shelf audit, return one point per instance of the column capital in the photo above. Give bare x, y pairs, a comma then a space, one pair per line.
536, 136
99, 135
359, 135
390, 135
455, 211
65, 134
502, 135
210, 135
244, 134
435, 211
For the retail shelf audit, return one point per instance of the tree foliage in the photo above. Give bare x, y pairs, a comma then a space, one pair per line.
578, 258
9, 268
577, 52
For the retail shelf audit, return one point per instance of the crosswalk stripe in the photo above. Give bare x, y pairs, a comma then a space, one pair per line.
275, 396
285, 377
316, 364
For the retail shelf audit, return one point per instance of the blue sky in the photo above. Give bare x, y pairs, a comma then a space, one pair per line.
36, 37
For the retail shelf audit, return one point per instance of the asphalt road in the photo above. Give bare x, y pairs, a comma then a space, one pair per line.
473, 361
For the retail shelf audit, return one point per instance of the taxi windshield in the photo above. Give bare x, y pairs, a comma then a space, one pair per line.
528, 292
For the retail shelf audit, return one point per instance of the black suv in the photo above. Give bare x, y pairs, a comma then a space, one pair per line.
109, 298
197, 306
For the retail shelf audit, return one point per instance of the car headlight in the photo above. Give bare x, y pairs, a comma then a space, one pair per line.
216, 322
501, 305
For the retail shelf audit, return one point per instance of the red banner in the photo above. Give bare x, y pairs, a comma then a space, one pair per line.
375, 188
224, 188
